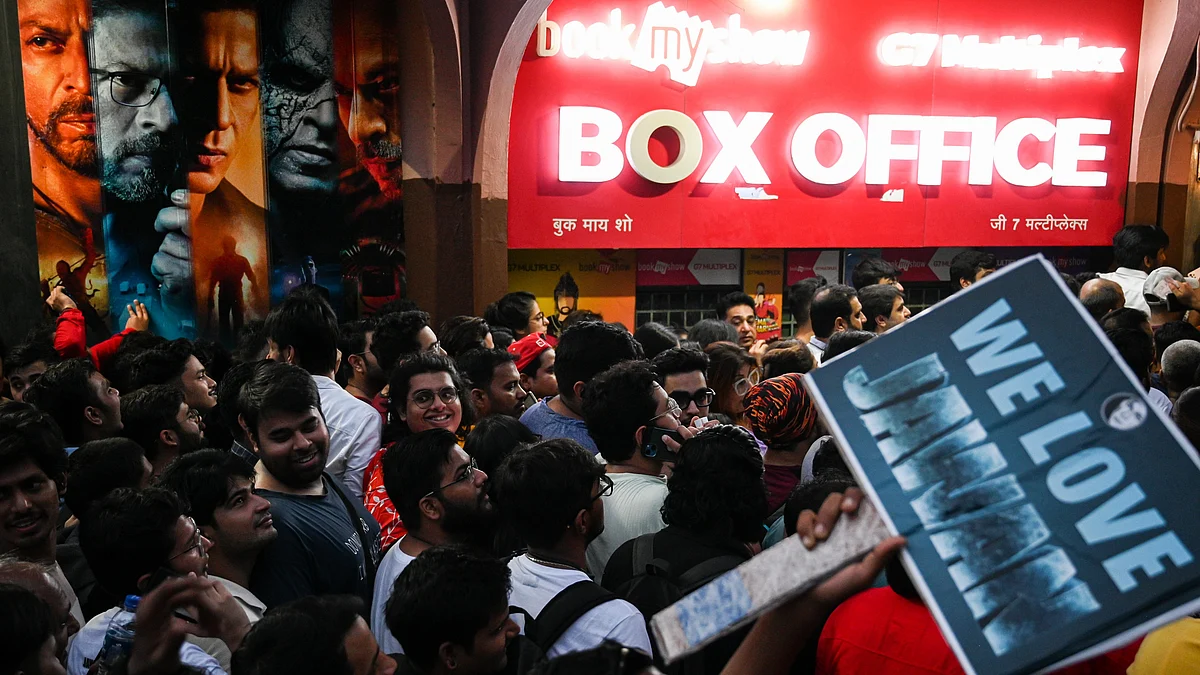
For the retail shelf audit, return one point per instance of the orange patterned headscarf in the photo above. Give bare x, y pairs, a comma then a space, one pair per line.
780, 411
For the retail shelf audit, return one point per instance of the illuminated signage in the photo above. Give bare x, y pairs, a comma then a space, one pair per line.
680, 41
705, 124
1007, 53
875, 149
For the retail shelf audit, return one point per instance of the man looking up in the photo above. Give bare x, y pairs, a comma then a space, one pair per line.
439, 494
627, 414
158, 419
969, 267
883, 306
327, 543
585, 350
1137, 251
737, 310
135, 540
873, 270
551, 493
834, 309
81, 401
176, 364
494, 381
303, 331
219, 491
450, 611
681, 372
33, 472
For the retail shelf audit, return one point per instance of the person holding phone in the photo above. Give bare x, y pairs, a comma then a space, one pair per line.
637, 429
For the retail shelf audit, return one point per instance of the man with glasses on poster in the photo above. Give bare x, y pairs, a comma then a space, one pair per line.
149, 252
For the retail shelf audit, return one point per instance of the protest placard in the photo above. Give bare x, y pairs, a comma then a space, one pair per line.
1050, 508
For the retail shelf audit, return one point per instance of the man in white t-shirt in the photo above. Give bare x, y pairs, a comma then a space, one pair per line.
1137, 251
439, 495
627, 413
552, 493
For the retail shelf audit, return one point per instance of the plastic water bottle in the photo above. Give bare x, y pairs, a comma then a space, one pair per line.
118, 640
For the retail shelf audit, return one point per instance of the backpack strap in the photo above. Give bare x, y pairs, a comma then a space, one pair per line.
770, 521
643, 554
565, 609
703, 572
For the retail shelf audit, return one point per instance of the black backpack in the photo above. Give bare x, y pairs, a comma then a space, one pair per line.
654, 586
562, 612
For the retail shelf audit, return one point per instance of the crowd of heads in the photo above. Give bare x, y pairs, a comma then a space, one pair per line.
410, 485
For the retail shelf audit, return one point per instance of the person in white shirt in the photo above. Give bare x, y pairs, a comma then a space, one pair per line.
439, 494
218, 488
1137, 251
303, 331
552, 495
135, 540
632, 421
450, 611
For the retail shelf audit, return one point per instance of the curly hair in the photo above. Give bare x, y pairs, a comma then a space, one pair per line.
717, 485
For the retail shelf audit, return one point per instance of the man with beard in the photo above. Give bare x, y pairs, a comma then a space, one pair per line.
158, 419
300, 131
368, 87
551, 493
220, 104
328, 543
137, 127
438, 493
62, 145
495, 383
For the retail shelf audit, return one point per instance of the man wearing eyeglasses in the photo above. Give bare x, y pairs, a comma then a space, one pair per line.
682, 374
136, 540
138, 124
636, 427
438, 492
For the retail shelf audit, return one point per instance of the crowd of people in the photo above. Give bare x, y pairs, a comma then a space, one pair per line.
511, 493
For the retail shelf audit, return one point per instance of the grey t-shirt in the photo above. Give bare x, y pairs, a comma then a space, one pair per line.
318, 551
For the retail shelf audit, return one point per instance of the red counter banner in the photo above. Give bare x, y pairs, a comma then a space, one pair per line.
702, 124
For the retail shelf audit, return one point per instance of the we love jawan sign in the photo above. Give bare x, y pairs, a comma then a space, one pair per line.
700, 124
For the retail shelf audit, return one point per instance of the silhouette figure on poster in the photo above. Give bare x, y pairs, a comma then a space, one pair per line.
225, 288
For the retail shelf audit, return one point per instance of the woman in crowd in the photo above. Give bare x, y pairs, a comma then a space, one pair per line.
426, 393
783, 416
519, 312
731, 373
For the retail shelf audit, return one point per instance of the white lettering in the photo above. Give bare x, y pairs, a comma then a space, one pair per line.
804, 148
1009, 53
882, 148
1008, 141
572, 145
736, 147
1148, 558
1068, 152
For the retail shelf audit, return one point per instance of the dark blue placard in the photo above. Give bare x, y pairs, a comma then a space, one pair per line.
1034, 481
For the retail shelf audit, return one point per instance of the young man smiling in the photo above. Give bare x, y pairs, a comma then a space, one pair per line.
328, 542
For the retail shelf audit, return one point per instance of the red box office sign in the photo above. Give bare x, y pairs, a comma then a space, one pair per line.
807, 123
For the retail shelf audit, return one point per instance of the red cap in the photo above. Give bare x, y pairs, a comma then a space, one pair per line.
529, 348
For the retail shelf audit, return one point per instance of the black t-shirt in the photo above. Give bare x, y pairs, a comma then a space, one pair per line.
318, 551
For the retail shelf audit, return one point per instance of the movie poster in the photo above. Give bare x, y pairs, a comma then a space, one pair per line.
208, 157
762, 276
604, 282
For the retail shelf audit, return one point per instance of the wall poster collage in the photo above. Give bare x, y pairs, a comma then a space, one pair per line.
209, 156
